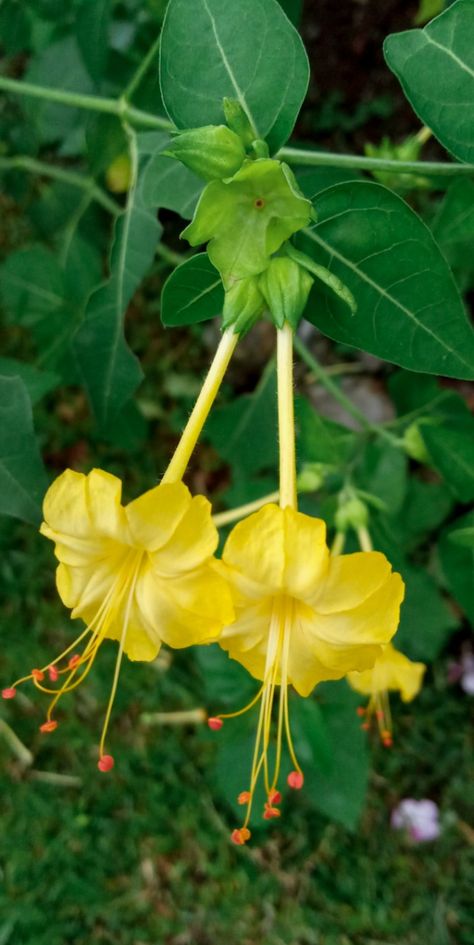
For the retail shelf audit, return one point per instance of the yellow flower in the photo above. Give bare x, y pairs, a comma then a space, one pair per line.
302, 616
142, 574
392, 671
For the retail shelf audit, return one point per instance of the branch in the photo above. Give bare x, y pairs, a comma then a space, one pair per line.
357, 162
87, 184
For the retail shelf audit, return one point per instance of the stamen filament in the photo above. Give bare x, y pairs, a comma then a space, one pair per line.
233, 515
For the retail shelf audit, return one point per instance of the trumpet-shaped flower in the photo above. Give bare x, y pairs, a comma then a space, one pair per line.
302, 616
142, 574
392, 671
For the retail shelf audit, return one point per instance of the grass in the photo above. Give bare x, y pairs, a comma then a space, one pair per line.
143, 856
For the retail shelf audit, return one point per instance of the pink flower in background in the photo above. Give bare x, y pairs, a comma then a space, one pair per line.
463, 672
419, 818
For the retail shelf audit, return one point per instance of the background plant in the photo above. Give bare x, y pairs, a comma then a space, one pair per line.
68, 159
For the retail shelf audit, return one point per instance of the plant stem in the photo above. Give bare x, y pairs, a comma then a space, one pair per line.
95, 103
23, 753
141, 71
286, 417
233, 515
204, 402
365, 540
359, 162
319, 372
183, 717
31, 165
298, 156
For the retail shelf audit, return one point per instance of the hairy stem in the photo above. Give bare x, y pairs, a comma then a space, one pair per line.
31, 165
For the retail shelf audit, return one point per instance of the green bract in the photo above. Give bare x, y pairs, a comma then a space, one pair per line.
243, 304
213, 152
247, 218
285, 286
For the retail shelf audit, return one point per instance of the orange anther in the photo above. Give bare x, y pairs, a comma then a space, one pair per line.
105, 763
245, 833
48, 726
53, 673
387, 742
238, 836
215, 724
295, 780
385, 733
9, 693
37, 674
270, 812
244, 797
360, 710
365, 726
274, 797
379, 714
73, 662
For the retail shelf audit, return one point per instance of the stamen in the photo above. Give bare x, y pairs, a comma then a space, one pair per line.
274, 797
295, 780
361, 711
53, 673
37, 675
270, 812
215, 723
105, 763
9, 693
49, 726
240, 836
244, 797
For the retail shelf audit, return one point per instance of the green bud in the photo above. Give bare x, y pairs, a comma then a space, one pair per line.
248, 218
285, 287
243, 304
238, 121
213, 152
311, 477
414, 444
352, 513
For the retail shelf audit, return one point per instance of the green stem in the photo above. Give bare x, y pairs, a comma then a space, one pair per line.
136, 116
95, 103
319, 372
358, 162
87, 184
141, 71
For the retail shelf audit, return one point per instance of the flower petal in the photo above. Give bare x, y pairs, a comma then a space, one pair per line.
350, 580
65, 506
374, 621
194, 540
306, 553
155, 515
255, 547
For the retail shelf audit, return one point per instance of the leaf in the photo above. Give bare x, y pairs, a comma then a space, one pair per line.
426, 621
463, 537
245, 50
312, 180
339, 791
59, 66
31, 285
92, 26
293, 10
37, 383
111, 372
22, 475
453, 228
244, 431
228, 685
192, 293
435, 67
409, 309
170, 185
457, 563
310, 735
383, 472
451, 449
320, 440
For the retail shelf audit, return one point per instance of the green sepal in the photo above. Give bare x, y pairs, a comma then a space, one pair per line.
414, 444
311, 477
325, 276
243, 305
285, 286
238, 121
352, 513
247, 218
212, 152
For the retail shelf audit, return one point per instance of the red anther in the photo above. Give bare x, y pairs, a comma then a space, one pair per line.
48, 726
53, 673
274, 797
270, 812
244, 797
365, 726
105, 763
215, 724
74, 661
245, 834
237, 837
387, 742
37, 674
9, 693
360, 710
295, 780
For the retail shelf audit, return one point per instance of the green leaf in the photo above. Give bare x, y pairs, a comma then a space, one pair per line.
435, 67
247, 50
228, 685
167, 184
37, 383
59, 66
244, 431
457, 563
310, 735
31, 285
339, 790
409, 309
312, 180
92, 26
320, 440
192, 293
383, 472
111, 372
453, 229
463, 537
15, 27
451, 448
22, 475
426, 621
293, 10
